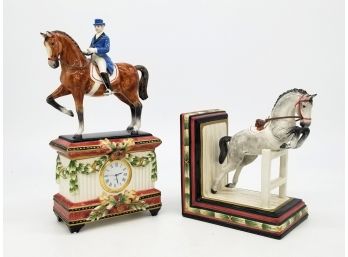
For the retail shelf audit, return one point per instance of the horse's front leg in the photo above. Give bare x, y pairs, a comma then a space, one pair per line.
60, 91
294, 133
78, 98
305, 133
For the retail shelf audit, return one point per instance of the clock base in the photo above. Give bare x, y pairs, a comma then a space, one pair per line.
76, 215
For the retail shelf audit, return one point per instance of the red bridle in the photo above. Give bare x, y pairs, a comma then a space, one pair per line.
302, 99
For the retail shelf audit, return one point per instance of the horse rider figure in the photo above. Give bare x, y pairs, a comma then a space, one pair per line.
99, 48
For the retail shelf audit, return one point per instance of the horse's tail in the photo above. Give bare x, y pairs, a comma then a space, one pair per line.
143, 81
223, 148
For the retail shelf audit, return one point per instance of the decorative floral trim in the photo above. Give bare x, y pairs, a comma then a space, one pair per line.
137, 161
250, 223
116, 151
109, 202
74, 168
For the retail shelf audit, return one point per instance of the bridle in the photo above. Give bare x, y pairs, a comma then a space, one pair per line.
69, 66
260, 124
302, 99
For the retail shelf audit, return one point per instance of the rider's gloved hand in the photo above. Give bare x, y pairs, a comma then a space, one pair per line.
92, 50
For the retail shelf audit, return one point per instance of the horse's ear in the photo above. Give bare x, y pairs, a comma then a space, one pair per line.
312, 96
43, 35
49, 34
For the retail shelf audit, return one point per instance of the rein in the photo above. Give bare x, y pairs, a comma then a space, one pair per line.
71, 66
260, 123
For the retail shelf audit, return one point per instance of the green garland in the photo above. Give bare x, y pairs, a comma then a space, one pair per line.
136, 161
109, 202
74, 167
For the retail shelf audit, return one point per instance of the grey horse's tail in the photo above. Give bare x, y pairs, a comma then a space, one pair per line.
143, 81
223, 148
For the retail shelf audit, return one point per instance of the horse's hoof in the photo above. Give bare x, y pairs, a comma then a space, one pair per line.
283, 146
130, 128
67, 112
70, 113
77, 136
230, 185
213, 191
134, 132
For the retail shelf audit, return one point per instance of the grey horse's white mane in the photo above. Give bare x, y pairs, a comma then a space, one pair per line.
294, 90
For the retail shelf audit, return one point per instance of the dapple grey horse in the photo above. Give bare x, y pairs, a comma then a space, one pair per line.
277, 132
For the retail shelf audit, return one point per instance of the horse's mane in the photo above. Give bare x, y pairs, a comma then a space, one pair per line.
65, 34
294, 90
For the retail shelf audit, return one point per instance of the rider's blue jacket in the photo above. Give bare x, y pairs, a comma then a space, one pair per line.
102, 43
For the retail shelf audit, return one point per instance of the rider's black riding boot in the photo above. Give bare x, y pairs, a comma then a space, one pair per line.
105, 77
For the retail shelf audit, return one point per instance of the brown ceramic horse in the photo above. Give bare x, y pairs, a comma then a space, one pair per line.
75, 79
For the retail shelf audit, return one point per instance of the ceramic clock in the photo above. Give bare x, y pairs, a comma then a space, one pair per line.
105, 175
115, 176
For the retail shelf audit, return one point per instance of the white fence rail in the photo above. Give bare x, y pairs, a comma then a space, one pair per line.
267, 184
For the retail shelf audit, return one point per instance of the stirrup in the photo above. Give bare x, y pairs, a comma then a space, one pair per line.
109, 92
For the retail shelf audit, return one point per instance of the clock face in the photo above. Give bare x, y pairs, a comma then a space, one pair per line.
115, 175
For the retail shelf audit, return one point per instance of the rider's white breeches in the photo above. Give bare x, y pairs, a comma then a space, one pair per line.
100, 62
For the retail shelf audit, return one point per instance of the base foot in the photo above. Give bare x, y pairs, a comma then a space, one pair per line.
59, 219
154, 212
76, 228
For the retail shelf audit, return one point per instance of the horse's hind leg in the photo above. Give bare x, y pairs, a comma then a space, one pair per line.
131, 126
246, 160
233, 163
133, 109
60, 91
138, 110
235, 177
136, 117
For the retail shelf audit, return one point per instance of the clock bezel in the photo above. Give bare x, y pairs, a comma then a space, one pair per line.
102, 172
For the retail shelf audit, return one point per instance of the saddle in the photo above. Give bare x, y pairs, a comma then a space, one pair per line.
95, 76
95, 73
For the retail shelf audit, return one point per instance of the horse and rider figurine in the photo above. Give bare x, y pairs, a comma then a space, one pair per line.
77, 77
279, 131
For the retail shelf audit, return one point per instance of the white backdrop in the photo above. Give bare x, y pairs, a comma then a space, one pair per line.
234, 55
